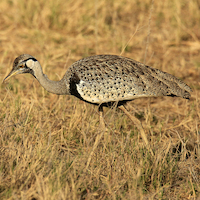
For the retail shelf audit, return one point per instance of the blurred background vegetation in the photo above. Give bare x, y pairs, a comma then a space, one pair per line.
46, 139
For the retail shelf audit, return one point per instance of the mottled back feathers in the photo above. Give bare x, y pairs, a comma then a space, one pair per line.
108, 78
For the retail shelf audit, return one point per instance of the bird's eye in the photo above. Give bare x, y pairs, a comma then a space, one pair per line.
21, 66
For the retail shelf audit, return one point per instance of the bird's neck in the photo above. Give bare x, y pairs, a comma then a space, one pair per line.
56, 87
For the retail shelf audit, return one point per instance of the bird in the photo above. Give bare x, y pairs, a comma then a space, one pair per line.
105, 80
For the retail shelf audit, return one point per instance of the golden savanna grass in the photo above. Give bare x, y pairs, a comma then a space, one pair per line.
45, 139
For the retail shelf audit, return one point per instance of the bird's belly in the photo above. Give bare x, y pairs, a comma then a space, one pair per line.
103, 93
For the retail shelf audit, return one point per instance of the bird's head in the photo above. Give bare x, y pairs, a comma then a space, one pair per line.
23, 64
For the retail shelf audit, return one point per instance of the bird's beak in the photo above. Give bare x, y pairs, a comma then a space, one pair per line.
12, 73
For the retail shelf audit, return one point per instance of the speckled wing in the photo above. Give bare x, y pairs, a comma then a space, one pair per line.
109, 78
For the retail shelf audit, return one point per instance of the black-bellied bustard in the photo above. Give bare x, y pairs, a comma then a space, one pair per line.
105, 79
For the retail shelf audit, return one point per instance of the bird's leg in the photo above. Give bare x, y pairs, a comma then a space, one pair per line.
138, 124
99, 136
101, 120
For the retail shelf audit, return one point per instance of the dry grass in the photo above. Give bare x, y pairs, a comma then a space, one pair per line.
45, 139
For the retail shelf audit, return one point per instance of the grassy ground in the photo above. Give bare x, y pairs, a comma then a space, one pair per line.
45, 140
